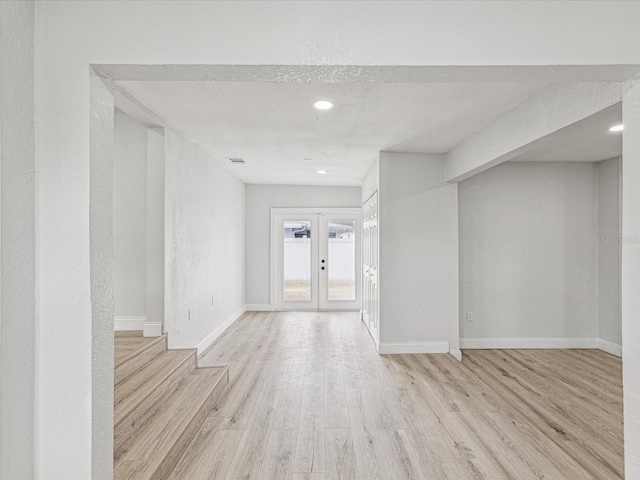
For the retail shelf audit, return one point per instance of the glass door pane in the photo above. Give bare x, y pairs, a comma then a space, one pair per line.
342, 260
296, 285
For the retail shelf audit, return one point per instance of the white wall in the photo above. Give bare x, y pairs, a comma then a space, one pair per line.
528, 252
609, 269
205, 236
418, 276
130, 216
260, 199
70, 36
155, 227
371, 181
17, 242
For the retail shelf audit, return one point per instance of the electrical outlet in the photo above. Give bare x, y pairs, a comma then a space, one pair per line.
469, 316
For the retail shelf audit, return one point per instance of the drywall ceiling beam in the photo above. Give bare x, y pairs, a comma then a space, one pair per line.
517, 130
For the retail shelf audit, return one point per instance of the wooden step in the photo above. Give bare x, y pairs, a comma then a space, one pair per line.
153, 450
139, 394
132, 351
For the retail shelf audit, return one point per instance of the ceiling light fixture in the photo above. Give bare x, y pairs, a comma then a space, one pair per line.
323, 105
322, 172
617, 128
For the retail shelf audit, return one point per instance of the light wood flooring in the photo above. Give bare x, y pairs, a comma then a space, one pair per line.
128, 344
161, 400
309, 398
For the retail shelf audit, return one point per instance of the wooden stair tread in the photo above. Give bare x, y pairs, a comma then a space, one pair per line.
129, 344
130, 392
143, 454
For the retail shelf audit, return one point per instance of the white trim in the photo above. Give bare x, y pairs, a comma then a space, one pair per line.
152, 329
125, 323
213, 336
260, 307
610, 347
456, 353
413, 347
520, 343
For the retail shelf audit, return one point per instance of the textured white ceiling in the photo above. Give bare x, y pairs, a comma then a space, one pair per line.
274, 127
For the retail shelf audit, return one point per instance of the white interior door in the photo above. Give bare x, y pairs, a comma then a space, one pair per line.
315, 259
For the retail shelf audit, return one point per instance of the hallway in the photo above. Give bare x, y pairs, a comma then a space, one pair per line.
309, 398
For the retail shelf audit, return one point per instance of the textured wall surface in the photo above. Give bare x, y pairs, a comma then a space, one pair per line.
630, 285
260, 199
72, 35
155, 225
130, 216
418, 250
18, 255
609, 244
204, 243
528, 251
98, 454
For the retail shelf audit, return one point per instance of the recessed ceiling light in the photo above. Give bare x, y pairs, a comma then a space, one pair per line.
307, 160
323, 105
322, 172
617, 128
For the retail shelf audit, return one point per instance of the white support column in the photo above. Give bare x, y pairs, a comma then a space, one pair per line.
101, 277
630, 286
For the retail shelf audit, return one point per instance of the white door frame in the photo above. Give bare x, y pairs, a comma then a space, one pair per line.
297, 213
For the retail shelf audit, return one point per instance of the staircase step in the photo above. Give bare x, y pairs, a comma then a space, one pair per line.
141, 351
153, 450
139, 394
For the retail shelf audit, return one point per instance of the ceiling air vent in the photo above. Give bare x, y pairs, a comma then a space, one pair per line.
236, 160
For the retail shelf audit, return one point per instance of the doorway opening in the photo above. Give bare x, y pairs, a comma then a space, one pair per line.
315, 258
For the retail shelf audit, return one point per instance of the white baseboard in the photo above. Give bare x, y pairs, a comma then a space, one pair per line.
456, 353
522, 343
213, 336
412, 347
129, 323
259, 307
152, 329
610, 347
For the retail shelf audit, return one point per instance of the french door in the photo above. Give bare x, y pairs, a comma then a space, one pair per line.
315, 258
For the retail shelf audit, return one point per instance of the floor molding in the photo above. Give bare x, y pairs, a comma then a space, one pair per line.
521, 343
412, 347
456, 353
213, 336
152, 329
125, 322
260, 307
610, 347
